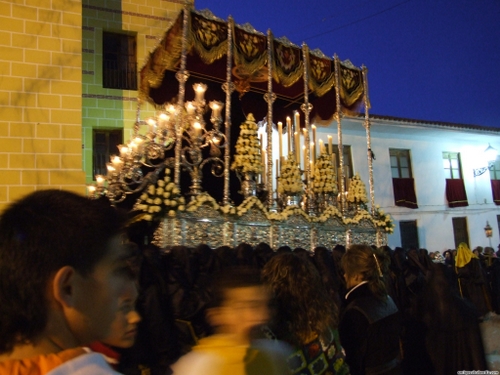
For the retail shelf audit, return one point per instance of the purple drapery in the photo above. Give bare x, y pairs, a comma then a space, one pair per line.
495, 189
455, 193
404, 192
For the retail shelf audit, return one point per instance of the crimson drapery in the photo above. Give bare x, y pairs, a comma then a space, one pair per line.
404, 192
206, 61
495, 189
455, 193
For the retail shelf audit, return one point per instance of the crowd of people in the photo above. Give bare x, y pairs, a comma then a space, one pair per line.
79, 297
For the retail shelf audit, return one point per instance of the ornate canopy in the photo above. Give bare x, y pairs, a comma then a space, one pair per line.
207, 44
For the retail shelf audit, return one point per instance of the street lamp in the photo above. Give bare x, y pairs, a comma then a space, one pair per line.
488, 231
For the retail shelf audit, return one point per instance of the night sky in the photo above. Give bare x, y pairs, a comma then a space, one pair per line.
435, 60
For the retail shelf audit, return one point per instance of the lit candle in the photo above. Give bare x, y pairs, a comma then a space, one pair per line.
197, 128
171, 109
135, 145
313, 155
199, 89
190, 108
110, 168
330, 144
216, 108
304, 152
289, 134
313, 127
117, 162
123, 150
163, 119
296, 119
321, 147
91, 190
99, 179
151, 125
262, 159
280, 136
297, 148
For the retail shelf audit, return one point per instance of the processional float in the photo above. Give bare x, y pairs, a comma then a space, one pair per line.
300, 199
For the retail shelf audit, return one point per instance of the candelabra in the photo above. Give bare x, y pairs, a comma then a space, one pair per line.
155, 150
195, 138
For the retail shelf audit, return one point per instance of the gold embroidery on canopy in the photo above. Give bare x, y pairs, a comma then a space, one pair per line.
209, 37
351, 84
288, 67
321, 72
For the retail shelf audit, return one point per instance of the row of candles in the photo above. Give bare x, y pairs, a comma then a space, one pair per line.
300, 153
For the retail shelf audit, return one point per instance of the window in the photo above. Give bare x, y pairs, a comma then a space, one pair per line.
105, 145
402, 181
495, 170
451, 164
119, 64
400, 163
460, 231
409, 234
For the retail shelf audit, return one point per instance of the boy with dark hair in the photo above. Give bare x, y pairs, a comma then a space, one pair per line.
64, 272
239, 305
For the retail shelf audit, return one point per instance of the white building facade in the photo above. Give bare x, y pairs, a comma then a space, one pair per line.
434, 153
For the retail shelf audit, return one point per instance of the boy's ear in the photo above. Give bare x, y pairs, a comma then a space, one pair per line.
213, 315
63, 286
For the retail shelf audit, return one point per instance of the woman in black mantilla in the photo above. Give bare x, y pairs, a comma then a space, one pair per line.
370, 324
305, 316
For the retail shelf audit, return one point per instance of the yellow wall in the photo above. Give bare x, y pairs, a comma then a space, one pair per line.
40, 97
111, 108
51, 93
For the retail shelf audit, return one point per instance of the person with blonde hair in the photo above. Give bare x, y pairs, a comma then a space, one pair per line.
370, 323
471, 278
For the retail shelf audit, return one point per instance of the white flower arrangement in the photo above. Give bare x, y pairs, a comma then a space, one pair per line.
357, 191
294, 210
360, 215
202, 199
247, 158
329, 212
383, 220
249, 203
325, 180
160, 200
276, 216
289, 181
228, 209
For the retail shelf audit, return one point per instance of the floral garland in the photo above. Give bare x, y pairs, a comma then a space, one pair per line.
249, 203
325, 180
201, 199
360, 215
357, 190
294, 210
330, 211
289, 180
247, 158
160, 200
383, 220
